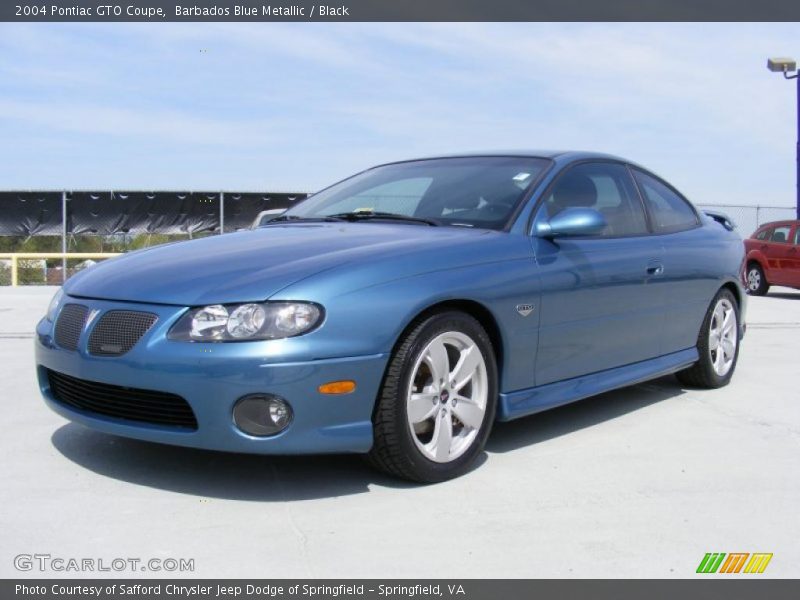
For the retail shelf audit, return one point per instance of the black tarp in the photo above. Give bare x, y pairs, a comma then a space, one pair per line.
242, 209
30, 213
107, 213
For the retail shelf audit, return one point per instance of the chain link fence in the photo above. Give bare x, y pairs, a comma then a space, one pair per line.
39, 222
43, 271
750, 218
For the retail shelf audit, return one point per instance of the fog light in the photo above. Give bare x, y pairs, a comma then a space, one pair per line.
262, 414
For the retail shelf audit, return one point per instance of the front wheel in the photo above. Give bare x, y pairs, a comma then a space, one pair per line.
756, 282
438, 400
717, 344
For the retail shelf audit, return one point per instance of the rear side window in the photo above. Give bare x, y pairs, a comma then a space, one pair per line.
669, 211
762, 235
780, 234
605, 187
797, 236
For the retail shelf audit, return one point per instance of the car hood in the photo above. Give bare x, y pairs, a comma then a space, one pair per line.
251, 266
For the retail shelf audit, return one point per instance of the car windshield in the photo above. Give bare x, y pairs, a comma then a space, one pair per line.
473, 192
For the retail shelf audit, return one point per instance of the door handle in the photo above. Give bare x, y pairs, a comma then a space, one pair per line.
655, 269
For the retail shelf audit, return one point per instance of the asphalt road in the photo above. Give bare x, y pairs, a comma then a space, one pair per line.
640, 482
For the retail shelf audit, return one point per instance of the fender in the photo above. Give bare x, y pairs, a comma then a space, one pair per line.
757, 256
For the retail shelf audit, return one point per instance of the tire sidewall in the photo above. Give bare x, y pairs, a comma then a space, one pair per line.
762, 286
703, 345
434, 326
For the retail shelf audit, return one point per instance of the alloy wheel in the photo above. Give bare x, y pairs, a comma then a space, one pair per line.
723, 337
753, 280
447, 397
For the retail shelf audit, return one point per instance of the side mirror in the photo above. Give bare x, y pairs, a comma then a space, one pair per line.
572, 222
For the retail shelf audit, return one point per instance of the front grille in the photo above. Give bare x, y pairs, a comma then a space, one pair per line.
130, 404
69, 325
118, 331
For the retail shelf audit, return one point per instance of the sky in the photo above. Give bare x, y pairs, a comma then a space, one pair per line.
297, 106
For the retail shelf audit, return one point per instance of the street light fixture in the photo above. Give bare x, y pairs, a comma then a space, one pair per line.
782, 65
787, 66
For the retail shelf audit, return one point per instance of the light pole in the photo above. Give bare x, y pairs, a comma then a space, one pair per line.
786, 66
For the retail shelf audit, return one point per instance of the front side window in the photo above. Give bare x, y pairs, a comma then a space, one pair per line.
669, 211
605, 187
470, 192
797, 235
780, 234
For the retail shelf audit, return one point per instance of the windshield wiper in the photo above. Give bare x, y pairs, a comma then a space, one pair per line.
285, 218
364, 215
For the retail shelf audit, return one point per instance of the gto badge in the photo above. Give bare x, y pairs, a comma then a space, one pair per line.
524, 309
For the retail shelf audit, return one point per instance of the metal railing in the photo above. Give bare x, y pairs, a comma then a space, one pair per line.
15, 257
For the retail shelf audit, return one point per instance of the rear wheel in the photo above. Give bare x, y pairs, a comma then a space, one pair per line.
717, 344
756, 282
437, 402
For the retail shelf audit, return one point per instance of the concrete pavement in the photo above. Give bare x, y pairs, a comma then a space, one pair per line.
640, 482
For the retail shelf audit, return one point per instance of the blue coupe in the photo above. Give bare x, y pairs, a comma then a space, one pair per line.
402, 311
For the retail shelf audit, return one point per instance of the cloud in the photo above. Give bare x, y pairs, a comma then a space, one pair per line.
304, 104
175, 127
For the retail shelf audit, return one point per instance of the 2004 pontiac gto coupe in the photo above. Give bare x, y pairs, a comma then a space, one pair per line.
402, 311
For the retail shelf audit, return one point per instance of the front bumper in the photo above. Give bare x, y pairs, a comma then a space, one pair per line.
212, 377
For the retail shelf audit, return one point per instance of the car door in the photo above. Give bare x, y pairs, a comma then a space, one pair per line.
600, 299
778, 250
689, 259
793, 267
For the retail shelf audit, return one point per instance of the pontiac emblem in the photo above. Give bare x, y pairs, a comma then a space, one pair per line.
92, 315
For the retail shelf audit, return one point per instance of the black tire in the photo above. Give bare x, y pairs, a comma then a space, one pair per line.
757, 284
702, 374
394, 450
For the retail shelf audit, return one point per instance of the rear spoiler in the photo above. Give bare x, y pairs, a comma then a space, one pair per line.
721, 218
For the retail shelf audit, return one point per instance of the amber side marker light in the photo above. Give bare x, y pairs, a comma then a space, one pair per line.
337, 387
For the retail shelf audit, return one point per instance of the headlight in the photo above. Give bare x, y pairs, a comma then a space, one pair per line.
251, 321
52, 308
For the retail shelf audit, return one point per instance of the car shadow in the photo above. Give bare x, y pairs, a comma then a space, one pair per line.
286, 478
221, 475
543, 426
783, 295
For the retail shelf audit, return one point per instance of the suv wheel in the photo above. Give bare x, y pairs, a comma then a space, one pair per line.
756, 282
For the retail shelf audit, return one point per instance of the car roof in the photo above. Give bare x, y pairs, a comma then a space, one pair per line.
774, 223
558, 155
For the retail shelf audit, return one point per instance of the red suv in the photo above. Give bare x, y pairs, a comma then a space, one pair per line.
773, 257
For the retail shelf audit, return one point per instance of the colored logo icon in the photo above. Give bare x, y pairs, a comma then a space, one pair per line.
734, 562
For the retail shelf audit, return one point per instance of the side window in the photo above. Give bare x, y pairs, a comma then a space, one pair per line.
797, 235
780, 234
606, 187
668, 210
401, 196
762, 235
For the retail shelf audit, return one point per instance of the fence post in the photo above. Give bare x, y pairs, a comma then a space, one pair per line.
14, 271
63, 237
758, 216
221, 213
